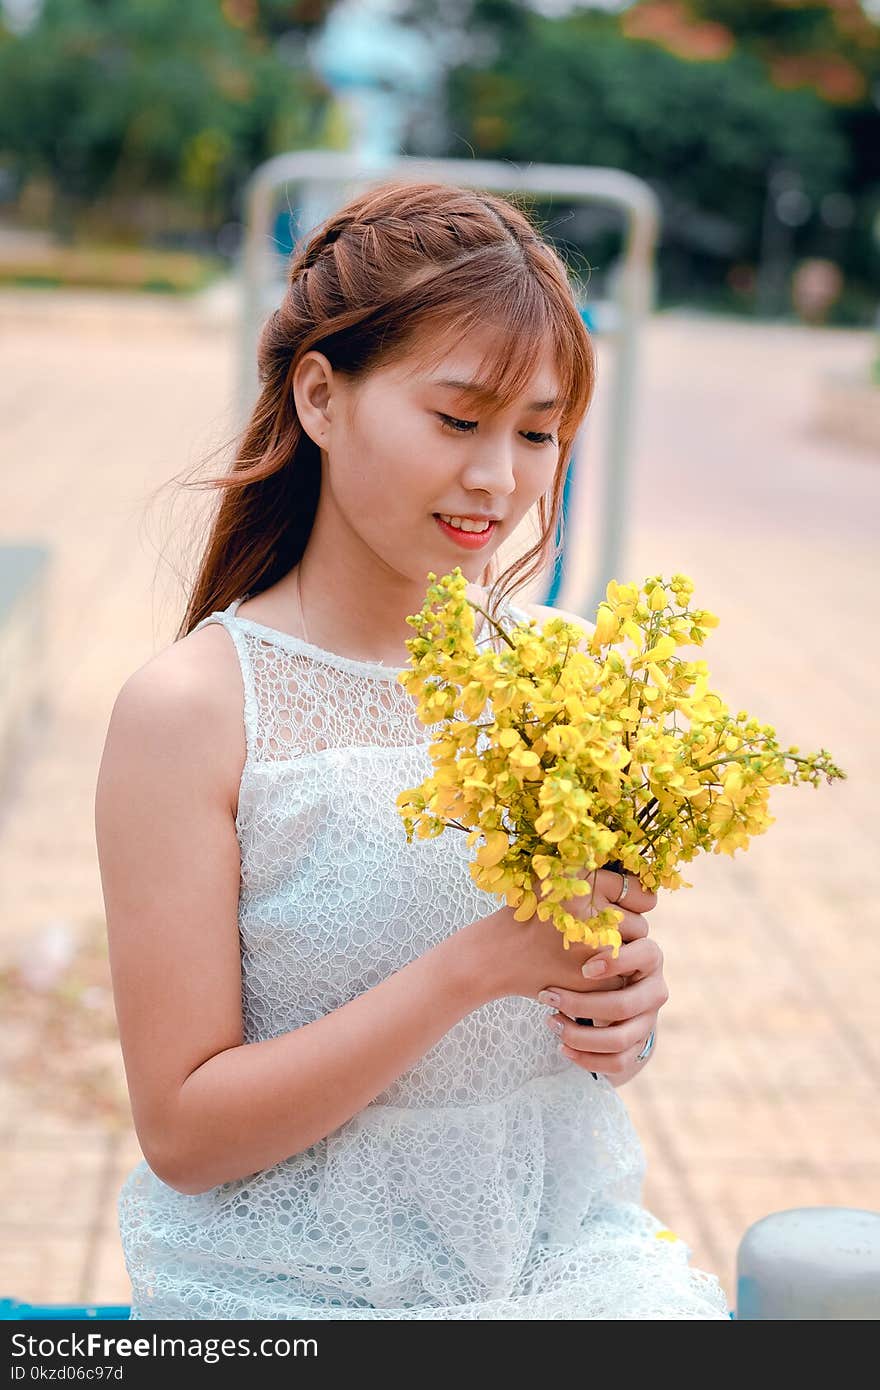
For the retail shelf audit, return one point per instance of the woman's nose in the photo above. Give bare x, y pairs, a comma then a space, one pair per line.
494, 472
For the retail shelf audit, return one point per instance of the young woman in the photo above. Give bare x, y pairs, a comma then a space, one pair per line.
349, 1101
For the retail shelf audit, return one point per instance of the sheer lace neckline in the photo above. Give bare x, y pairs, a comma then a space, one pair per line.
376, 669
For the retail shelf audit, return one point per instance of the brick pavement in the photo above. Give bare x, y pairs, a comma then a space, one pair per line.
763, 1090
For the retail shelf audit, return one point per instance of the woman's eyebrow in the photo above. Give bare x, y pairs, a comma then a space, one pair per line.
475, 388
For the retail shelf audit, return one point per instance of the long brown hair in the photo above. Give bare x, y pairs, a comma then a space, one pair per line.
397, 267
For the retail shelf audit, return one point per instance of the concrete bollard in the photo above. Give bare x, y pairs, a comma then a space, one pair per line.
810, 1262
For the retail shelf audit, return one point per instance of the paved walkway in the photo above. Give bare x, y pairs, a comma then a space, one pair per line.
763, 1091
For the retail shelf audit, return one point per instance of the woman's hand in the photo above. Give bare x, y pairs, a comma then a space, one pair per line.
510, 957
623, 1000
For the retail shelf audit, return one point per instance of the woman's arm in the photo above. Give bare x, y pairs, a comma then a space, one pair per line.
208, 1108
251, 1106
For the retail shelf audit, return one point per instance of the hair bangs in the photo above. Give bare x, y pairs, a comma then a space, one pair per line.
523, 318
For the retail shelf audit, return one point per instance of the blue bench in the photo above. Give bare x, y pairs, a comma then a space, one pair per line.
12, 1308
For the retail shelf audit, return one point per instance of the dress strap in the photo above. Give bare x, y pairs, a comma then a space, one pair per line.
226, 618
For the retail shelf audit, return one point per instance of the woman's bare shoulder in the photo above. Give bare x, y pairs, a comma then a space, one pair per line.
190, 667
191, 690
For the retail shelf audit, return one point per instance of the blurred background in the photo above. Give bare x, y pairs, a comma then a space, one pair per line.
735, 437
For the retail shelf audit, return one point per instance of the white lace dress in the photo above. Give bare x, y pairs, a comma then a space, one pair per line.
494, 1179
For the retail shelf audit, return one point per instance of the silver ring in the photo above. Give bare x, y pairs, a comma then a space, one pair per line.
625, 876
647, 1049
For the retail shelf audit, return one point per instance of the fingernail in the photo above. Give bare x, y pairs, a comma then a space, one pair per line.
594, 968
548, 997
556, 1024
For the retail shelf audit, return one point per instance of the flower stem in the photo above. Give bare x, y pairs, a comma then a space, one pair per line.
497, 626
647, 810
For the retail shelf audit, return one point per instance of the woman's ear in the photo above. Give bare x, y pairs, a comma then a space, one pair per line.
312, 385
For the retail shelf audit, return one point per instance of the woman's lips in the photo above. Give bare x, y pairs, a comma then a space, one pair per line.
468, 540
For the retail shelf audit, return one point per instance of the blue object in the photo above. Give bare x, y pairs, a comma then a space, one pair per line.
810, 1264
589, 319
14, 1308
285, 231
11, 1308
554, 589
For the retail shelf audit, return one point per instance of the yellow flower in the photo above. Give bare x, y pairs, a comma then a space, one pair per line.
658, 600
495, 848
661, 651
527, 906
607, 628
558, 752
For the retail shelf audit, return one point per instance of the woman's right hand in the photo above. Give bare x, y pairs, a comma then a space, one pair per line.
523, 958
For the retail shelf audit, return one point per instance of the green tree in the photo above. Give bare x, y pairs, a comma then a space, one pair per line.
670, 92
828, 47
705, 133
117, 97
831, 46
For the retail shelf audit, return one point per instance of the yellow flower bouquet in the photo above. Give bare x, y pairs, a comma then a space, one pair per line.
564, 753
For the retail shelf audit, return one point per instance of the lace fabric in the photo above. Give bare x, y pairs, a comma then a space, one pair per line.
494, 1179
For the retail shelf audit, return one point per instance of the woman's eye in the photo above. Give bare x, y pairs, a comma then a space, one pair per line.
465, 426
460, 426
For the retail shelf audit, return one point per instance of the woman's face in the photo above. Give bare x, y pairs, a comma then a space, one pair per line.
399, 447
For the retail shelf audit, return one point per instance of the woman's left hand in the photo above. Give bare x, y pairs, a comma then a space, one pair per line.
624, 1003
